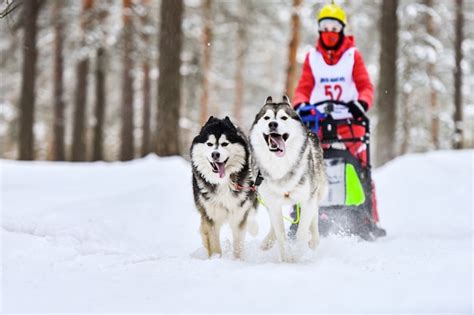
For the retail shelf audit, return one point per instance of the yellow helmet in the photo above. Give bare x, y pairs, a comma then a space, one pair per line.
333, 11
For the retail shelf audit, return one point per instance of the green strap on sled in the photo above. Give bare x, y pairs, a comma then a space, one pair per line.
354, 191
298, 212
297, 219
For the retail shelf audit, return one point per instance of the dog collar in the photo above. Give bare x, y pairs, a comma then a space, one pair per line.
240, 187
253, 185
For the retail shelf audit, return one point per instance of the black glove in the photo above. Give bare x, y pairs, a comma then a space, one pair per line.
357, 108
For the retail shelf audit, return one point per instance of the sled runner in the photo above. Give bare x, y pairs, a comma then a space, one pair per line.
350, 206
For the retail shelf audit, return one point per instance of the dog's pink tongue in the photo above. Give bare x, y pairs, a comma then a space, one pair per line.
221, 168
281, 145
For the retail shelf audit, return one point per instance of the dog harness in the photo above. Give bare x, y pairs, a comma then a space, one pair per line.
258, 181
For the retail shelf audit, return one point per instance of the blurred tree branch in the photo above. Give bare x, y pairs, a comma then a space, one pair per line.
11, 6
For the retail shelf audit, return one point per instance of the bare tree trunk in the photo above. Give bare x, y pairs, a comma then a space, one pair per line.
387, 87
146, 137
127, 148
293, 49
206, 63
98, 150
434, 112
27, 96
406, 91
59, 120
239, 68
405, 123
458, 115
100, 94
169, 82
80, 98
431, 30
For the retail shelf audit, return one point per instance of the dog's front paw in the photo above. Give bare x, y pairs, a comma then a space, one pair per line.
289, 258
269, 240
215, 252
267, 244
238, 249
295, 251
215, 256
313, 243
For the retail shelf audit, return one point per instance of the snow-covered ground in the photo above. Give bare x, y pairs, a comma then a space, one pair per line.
123, 237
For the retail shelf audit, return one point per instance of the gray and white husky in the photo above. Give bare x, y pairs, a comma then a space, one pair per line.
290, 159
222, 186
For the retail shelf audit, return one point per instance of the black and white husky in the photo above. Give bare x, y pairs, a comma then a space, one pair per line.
222, 186
290, 160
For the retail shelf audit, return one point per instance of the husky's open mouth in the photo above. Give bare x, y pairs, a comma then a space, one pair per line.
276, 142
219, 167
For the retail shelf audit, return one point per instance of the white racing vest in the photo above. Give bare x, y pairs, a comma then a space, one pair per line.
333, 81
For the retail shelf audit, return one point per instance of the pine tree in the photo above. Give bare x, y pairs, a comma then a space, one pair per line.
169, 82
206, 59
293, 49
59, 119
80, 97
431, 73
146, 136
458, 140
100, 103
127, 147
241, 45
27, 95
387, 87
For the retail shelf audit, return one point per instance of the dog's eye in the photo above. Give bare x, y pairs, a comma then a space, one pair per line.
266, 117
225, 144
209, 144
284, 117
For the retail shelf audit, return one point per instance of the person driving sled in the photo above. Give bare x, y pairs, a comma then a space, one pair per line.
335, 70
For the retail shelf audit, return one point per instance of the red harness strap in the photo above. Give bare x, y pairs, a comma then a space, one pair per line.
239, 187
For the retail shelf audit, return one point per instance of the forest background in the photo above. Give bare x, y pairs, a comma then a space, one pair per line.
85, 80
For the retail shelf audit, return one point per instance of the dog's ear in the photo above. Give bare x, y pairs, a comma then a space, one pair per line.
268, 100
229, 123
286, 100
211, 118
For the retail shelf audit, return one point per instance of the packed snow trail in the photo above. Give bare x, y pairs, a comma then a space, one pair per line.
123, 237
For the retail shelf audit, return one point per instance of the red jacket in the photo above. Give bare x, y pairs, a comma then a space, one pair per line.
359, 73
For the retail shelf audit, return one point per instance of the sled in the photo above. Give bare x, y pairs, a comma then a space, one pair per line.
348, 206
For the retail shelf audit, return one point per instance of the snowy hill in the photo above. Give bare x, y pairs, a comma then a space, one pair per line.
123, 237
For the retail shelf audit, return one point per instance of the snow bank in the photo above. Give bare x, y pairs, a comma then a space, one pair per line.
123, 237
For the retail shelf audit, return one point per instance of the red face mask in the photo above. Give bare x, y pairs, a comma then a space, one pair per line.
330, 39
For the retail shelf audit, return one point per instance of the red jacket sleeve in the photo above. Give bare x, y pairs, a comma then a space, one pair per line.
305, 85
362, 80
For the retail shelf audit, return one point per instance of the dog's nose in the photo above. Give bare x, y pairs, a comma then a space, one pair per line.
215, 155
273, 125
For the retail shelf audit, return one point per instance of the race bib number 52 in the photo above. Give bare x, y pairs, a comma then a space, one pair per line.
334, 92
